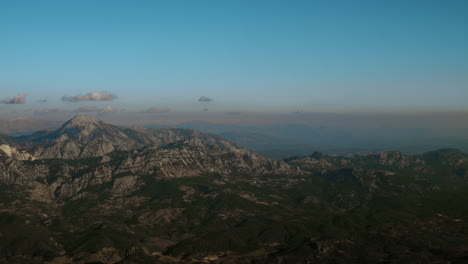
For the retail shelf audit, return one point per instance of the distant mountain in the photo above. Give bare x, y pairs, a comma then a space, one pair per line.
386, 159
341, 138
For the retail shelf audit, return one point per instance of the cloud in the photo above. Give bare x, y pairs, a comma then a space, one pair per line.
87, 109
42, 101
20, 99
232, 113
108, 109
205, 99
49, 110
92, 96
157, 110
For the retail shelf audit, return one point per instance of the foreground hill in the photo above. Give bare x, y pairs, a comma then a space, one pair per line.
202, 199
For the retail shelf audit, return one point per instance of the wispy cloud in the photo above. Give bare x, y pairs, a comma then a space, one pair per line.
108, 109
157, 110
20, 99
92, 96
205, 99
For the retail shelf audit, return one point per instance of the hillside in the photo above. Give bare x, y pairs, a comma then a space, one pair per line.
197, 198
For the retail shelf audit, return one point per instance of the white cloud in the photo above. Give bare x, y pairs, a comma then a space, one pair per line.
92, 96
20, 99
108, 109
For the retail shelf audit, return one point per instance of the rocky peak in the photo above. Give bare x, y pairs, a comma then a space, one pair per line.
81, 121
81, 128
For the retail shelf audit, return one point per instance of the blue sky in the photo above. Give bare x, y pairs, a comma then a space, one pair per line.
249, 56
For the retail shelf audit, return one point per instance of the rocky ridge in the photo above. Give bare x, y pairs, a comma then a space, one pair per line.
97, 152
194, 156
85, 136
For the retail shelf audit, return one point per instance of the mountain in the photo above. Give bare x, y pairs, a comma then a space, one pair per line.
182, 196
95, 149
195, 155
85, 136
381, 160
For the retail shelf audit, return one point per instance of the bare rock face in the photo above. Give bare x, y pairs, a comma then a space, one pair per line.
315, 161
172, 152
97, 176
126, 185
16, 154
81, 137
85, 136
83, 151
195, 156
385, 159
87, 122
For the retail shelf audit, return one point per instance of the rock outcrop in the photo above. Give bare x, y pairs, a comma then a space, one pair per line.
197, 156
85, 136
15, 154
87, 153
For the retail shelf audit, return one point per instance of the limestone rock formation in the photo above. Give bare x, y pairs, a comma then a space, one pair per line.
16, 154
87, 153
85, 136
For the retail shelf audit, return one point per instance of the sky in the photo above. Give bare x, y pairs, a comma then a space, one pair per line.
232, 57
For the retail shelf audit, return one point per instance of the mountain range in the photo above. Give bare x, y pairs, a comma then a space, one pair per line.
91, 192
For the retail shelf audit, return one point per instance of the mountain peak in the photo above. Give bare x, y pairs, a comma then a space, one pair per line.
81, 117
81, 120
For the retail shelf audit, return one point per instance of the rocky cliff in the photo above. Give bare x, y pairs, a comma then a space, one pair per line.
86, 152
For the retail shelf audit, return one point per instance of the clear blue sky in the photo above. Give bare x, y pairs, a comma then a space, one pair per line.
273, 56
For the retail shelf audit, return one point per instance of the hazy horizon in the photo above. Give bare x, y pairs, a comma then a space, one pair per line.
380, 70
293, 134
